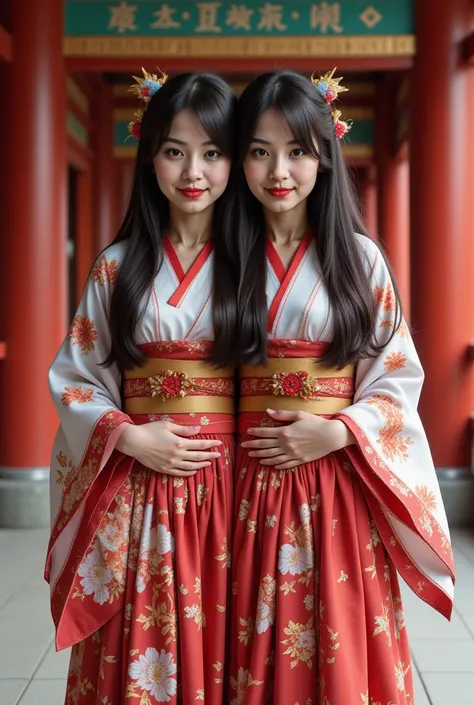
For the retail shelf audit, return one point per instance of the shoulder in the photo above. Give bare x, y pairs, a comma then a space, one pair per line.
369, 249
105, 268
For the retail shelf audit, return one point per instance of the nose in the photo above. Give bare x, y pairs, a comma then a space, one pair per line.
193, 170
279, 170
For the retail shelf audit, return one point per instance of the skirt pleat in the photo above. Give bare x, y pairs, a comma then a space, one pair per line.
168, 640
317, 617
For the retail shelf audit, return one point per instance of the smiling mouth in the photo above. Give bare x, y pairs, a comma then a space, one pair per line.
279, 192
192, 192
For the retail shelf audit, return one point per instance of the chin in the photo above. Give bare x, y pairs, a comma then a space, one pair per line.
280, 206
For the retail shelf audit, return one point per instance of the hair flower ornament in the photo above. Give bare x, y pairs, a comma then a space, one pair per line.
145, 88
329, 88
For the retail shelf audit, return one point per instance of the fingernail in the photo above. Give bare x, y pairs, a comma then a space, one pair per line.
271, 411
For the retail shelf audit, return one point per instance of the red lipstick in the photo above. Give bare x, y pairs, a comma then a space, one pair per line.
279, 192
192, 192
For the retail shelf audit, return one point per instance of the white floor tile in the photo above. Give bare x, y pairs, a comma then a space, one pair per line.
434, 656
20, 659
47, 692
450, 688
420, 693
55, 665
11, 691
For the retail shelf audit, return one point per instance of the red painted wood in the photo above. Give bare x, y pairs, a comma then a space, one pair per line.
105, 173
34, 263
6, 45
442, 242
393, 189
238, 66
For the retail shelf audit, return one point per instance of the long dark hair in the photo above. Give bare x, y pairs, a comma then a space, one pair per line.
333, 217
146, 220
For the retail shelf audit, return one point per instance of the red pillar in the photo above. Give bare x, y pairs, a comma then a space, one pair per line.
85, 245
393, 190
369, 202
442, 242
105, 172
33, 269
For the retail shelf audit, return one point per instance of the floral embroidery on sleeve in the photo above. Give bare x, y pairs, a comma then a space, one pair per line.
82, 396
105, 271
390, 436
395, 361
83, 333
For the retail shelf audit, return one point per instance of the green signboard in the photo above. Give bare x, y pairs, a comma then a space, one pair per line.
191, 18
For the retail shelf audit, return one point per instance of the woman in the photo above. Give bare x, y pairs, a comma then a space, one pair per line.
142, 464
335, 483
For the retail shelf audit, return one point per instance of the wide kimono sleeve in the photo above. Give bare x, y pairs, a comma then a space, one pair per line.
392, 456
86, 471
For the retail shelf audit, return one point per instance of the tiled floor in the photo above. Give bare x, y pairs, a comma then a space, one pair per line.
31, 673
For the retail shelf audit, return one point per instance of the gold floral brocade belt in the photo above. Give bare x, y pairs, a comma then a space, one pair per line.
296, 384
167, 386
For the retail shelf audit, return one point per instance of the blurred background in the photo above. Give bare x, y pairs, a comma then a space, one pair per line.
65, 176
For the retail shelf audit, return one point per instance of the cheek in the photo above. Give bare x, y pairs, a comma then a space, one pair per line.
166, 172
307, 172
254, 172
220, 174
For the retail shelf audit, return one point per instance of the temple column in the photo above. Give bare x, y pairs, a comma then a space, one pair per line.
442, 242
33, 278
368, 190
105, 170
393, 191
85, 242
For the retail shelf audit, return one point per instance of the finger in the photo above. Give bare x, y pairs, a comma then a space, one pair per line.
276, 459
197, 444
183, 430
199, 457
289, 465
264, 432
265, 453
282, 415
190, 465
264, 443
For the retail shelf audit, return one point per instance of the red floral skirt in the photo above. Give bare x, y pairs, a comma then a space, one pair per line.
317, 616
167, 641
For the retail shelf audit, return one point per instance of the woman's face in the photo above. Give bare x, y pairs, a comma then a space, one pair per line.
191, 171
278, 171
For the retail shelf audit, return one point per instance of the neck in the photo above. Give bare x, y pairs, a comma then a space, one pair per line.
190, 229
291, 226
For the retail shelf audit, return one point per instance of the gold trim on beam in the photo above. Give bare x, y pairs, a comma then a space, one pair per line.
358, 151
358, 112
125, 152
76, 95
241, 47
124, 114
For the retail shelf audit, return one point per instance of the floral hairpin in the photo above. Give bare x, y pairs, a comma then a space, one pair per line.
145, 88
329, 88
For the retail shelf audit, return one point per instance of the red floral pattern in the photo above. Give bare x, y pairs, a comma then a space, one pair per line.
295, 384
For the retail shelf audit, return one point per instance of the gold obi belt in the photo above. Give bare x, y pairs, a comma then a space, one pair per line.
295, 384
172, 386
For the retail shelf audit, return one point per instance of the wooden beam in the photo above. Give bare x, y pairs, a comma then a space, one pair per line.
251, 66
6, 45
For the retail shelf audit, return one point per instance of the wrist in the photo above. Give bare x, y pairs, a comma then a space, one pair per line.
126, 442
342, 435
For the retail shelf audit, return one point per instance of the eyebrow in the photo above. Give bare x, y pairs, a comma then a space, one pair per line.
208, 143
261, 141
